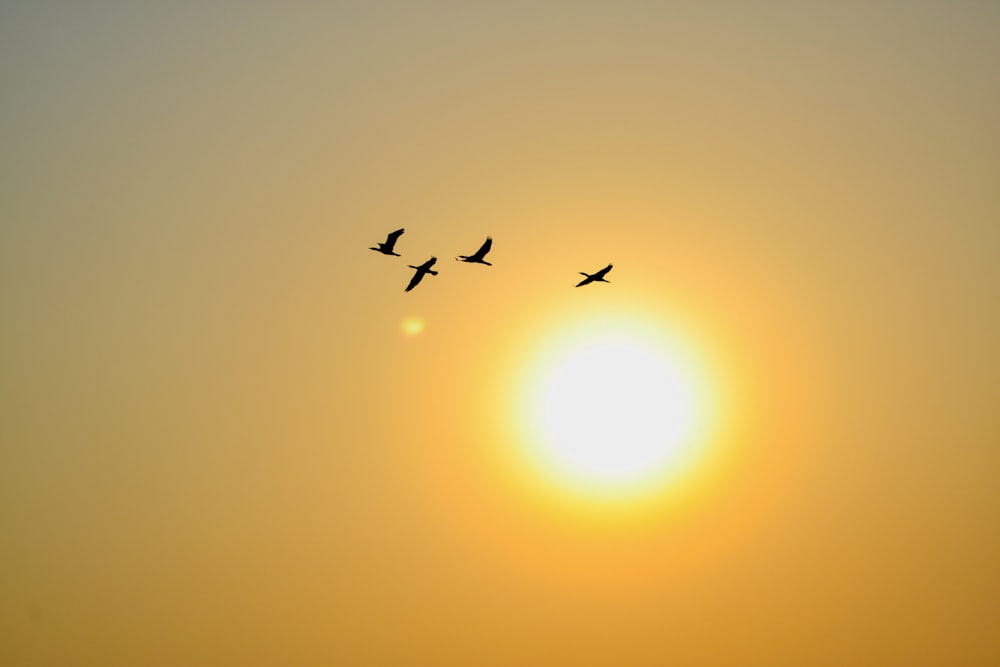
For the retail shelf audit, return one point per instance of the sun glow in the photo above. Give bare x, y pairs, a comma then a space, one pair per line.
621, 410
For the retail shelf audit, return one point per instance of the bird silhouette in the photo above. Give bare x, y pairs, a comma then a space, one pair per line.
477, 258
421, 270
595, 277
390, 242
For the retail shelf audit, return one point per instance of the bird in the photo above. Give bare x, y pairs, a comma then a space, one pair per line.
421, 270
390, 242
480, 254
595, 277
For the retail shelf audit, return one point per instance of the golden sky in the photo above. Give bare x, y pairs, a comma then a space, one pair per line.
228, 437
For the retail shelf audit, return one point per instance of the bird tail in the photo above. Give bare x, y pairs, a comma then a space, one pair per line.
432, 272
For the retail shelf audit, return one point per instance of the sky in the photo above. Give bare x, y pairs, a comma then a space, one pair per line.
218, 444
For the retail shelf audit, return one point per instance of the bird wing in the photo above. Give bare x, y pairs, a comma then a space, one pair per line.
417, 277
429, 263
585, 280
485, 248
603, 272
390, 240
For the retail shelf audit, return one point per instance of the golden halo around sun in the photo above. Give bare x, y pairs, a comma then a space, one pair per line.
614, 409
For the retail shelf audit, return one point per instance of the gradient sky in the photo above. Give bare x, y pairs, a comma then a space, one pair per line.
217, 447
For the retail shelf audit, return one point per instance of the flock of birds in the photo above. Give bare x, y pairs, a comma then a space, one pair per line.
479, 257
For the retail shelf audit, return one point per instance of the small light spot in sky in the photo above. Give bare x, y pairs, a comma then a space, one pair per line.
413, 325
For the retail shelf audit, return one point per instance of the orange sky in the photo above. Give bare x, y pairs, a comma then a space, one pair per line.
217, 445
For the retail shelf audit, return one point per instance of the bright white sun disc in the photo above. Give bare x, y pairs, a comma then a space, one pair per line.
614, 411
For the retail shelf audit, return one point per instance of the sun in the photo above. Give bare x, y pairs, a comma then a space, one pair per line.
614, 408
614, 411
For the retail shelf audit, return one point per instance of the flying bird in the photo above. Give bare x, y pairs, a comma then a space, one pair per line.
480, 254
421, 270
595, 277
390, 242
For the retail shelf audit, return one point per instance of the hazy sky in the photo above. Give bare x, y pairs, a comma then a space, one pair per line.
217, 446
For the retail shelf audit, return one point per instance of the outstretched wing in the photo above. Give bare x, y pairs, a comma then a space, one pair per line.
603, 272
390, 240
417, 277
585, 280
485, 248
